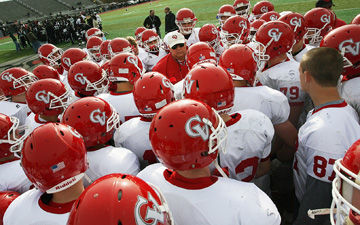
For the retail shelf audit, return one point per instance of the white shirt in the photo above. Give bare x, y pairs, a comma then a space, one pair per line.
13, 178
110, 160
149, 60
249, 139
300, 54
123, 103
350, 91
33, 121
134, 135
18, 110
212, 200
272, 103
325, 137
284, 77
26, 209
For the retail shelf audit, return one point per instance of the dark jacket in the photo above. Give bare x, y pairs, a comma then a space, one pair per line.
170, 22
153, 22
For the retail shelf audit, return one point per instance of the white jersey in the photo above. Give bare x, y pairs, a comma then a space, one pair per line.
13, 178
28, 209
249, 143
193, 38
123, 103
134, 135
18, 110
272, 103
178, 88
149, 60
300, 54
284, 77
33, 121
110, 160
211, 200
349, 90
325, 137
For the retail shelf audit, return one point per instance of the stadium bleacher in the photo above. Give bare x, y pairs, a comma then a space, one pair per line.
48, 6
11, 10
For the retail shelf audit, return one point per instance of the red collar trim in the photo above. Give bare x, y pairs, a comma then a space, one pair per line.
338, 105
191, 184
120, 93
145, 119
56, 208
10, 160
234, 119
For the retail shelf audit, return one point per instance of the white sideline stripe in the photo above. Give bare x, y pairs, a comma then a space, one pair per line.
6, 43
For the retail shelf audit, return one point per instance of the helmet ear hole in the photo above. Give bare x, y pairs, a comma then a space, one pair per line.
119, 222
62, 133
120, 196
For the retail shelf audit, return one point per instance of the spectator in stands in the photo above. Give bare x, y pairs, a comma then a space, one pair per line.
169, 21
153, 22
17, 45
35, 43
174, 65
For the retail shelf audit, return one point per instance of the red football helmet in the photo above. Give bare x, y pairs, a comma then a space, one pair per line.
225, 12
242, 8
187, 134
50, 55
261, 8
57, 163
93, 46
104, 50
297, 22
94, 118
10, 139
119, 45
346, 39
235, 30
87, 78
120, 199
210, 34
94, 32
125, 67
151, 41
152, 91
356, 20
15, 81
240, 68
47, 97
273, 39
346, 187
270, 16
319, 22
6, 198
200, 52
185, 20
72, 56
211, 84
254, 27
138, 33
44, 71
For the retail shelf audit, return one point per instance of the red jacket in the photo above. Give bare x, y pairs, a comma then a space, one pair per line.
171, 68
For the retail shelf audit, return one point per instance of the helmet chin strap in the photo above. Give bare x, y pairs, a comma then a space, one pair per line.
217, 166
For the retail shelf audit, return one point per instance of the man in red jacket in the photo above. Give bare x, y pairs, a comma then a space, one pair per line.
174, 65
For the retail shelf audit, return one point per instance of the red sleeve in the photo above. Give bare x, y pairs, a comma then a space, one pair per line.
161, 66
339, 23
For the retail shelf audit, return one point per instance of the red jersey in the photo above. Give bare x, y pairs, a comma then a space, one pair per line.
171, 68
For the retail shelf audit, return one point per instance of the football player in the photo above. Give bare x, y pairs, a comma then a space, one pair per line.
187, 135
54, 160
151, 92
96, 120
12, 176
125, 69
186, 21
330, 129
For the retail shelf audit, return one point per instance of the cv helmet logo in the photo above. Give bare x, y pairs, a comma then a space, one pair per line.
275, 34
42, 96
349, 46
79, 77
197, 130
153, 213
97, 116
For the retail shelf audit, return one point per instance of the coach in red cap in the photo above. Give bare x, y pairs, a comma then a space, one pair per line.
174, 65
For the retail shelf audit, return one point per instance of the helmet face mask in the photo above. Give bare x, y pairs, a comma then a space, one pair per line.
54, 57
153, 44
186, 26
100, 86
15, 136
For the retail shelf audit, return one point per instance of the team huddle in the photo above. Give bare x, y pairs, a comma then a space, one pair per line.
184, 130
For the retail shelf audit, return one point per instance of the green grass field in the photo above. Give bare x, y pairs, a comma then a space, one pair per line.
123, 22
